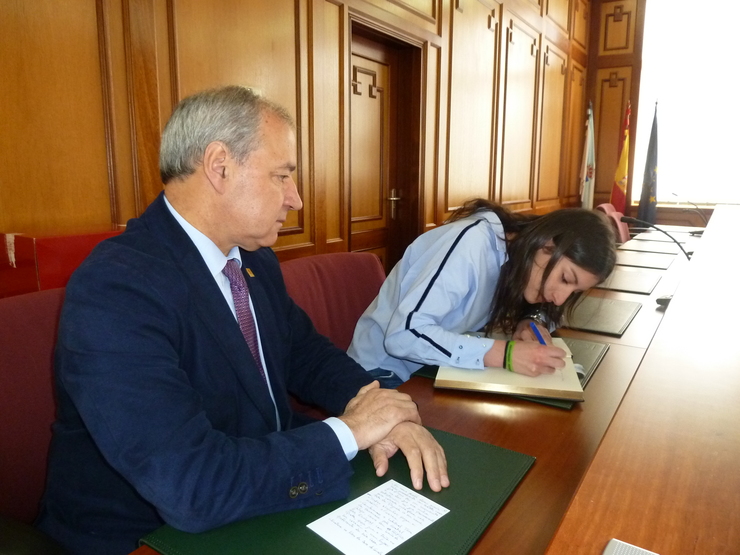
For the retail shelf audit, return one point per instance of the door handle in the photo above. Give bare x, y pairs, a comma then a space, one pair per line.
394, 198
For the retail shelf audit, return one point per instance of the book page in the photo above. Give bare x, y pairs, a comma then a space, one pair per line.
564, 383
378, 521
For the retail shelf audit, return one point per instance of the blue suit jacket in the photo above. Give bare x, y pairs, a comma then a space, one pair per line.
162, 413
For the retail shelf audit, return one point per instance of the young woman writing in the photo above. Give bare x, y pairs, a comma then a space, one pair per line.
486, 268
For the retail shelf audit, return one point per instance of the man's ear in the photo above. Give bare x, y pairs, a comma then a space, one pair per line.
216, 165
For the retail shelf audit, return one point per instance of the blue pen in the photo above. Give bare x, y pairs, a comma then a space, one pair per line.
537, 333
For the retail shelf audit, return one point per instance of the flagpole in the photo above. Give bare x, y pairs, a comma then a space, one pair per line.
648, 208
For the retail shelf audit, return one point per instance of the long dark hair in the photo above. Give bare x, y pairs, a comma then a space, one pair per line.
586, 237
511, 221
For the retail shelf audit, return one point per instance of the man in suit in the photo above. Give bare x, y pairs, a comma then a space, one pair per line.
166, 413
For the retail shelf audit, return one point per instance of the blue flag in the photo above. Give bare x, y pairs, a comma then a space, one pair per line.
648, 198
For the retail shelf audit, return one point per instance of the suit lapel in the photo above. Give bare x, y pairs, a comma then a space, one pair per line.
212, 308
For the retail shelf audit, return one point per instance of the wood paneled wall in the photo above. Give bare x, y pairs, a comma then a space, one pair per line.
88, 86
615, 65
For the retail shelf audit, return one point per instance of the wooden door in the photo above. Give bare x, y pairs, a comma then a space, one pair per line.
384, 147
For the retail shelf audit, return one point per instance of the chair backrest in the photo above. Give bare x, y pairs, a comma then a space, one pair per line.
334, 290
28, 331
606, 208
621, 229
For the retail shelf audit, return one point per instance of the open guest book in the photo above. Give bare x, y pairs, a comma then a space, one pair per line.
562, 384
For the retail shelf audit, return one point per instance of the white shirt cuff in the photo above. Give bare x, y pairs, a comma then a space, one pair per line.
469, 351
344, 435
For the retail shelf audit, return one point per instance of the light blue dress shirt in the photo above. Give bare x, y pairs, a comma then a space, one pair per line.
442, 288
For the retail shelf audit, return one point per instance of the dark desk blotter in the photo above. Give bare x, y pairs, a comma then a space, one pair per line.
483, 476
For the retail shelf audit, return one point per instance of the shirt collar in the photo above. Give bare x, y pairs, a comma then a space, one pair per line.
499, 233
212, 255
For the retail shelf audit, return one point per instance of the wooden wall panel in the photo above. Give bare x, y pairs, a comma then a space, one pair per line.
121, 153
426, 9
581, 18
254, 44
614, 70
518, 93
328, 42
618, 23
148, 61
552, 124
94, 82
473, 64
559, 11
612, 95
54, 173
424, 14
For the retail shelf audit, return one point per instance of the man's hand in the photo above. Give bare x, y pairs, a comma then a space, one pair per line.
421, 450
374, 412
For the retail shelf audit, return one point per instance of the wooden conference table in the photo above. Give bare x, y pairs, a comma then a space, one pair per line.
566, 443
667, 474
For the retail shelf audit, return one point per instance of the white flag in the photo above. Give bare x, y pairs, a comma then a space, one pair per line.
588, 164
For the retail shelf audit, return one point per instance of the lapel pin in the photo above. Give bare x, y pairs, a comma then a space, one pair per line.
249, 272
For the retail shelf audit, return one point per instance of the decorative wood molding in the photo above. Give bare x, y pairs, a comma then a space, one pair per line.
493, 21
429, 15
141, 61
373, 89
106, 86
618, 27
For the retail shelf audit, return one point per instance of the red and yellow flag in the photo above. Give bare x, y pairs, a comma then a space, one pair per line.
619, 189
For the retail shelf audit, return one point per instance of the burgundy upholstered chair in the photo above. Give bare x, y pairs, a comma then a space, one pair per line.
334, 290
28, 331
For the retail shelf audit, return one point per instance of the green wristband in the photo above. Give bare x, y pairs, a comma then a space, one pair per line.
508, 355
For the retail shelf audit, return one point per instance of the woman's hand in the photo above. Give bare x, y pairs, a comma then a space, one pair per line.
532, 359
528, 357
524, 333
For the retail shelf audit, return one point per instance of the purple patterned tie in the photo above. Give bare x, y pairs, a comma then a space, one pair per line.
240, 292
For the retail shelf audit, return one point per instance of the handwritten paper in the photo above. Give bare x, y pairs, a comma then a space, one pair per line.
378, 521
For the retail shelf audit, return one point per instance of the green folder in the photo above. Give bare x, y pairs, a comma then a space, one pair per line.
482, 477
